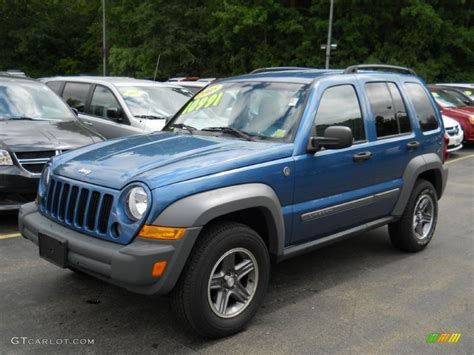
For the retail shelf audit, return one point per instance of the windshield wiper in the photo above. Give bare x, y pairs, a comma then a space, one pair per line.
190, 129
151, 117
20, 118
230, 130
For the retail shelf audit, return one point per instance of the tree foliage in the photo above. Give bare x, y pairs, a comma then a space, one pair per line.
227, 37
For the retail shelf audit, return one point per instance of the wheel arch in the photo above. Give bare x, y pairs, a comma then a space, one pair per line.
250, 204
428, 167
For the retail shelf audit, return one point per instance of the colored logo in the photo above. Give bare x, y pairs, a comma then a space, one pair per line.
441, 338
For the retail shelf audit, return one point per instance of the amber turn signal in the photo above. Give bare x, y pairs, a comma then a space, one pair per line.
158, 268
161, 233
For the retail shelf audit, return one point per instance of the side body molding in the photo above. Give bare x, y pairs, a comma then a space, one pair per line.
197, 210
415, 167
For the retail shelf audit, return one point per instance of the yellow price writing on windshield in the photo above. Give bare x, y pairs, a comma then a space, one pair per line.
207, 101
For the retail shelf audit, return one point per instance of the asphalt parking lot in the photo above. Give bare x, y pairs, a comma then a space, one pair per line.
357, 296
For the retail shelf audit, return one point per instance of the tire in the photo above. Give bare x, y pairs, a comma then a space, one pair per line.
421, 209
197, 305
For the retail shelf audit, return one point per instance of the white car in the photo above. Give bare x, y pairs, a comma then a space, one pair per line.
116, 107
455, 133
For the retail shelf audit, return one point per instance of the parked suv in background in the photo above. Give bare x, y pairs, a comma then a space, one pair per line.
255, 168
117, 107
34, 126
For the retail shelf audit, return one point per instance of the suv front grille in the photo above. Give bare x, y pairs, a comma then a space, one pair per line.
81, 207
33, 162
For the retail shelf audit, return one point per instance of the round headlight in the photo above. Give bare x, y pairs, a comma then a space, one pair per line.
45, 176
137, 202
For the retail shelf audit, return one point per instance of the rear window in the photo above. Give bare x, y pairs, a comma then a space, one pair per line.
425, 111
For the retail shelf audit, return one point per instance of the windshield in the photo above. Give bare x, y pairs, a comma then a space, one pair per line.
32, 101
446, 99
154, 101
265, 110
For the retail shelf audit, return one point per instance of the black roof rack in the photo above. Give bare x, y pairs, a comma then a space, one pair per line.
355, 68
275, 69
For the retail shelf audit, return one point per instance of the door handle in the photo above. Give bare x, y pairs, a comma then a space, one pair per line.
362, 156
413, 145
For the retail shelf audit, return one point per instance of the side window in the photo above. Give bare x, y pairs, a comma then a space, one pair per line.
75, 95
339, 106
389, 111
102, 100
55, 86
424, 109
401, 114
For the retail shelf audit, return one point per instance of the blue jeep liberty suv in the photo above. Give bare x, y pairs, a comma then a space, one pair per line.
253, 169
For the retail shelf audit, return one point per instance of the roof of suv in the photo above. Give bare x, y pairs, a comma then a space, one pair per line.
114, 80
307, 75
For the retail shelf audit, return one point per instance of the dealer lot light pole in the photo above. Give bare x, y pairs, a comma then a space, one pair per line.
328, 44
104, 41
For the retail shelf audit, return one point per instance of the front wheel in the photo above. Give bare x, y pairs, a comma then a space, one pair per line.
417, 225
224, 281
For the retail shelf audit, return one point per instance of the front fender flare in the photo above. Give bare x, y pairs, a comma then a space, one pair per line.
199, 209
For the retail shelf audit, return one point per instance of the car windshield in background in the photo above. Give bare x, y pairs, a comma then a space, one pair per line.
265, 110
446, 99
31, 101
154, 102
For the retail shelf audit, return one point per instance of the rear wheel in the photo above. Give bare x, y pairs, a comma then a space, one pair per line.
417, 225
224, 281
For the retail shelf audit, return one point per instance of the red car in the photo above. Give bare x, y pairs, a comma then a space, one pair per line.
453, 107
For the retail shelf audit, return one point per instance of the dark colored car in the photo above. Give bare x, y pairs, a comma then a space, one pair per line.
455, 108
35, 125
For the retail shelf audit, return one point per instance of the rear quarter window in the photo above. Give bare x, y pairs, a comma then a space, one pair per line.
425, 111
56, 86
75, 95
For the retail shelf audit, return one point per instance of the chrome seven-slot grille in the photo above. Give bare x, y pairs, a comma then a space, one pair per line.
33, 162
81, 207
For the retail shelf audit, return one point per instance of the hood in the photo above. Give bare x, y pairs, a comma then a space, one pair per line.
465, 111
449, 122
163, 158
22, 136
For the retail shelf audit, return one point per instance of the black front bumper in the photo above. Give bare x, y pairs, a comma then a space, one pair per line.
128, 266
16, 187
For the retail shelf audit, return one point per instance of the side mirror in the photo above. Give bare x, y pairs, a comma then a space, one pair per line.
75, 110
335, 137
114, 114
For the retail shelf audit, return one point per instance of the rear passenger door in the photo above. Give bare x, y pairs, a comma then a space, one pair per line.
394, 140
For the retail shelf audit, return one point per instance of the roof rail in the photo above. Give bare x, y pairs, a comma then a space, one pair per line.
13, 72
355, 68
274, 69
